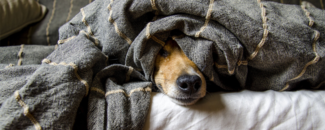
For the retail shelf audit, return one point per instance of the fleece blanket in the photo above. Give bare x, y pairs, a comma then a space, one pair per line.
103, 63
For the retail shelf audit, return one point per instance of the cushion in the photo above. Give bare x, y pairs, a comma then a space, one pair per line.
45, 31
16, 14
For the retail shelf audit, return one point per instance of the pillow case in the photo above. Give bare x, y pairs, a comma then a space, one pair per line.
45, 31
302, 110
17, 14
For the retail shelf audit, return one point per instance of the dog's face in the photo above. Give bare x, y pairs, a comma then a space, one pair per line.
177, 76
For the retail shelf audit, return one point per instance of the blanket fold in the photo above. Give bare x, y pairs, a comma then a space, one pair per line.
106, 53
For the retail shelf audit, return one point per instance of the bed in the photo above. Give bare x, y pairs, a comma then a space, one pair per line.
84, 64
299, 110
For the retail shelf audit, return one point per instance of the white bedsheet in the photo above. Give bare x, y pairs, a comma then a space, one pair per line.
300, 110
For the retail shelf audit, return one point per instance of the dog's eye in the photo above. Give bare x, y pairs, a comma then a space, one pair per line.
163, 53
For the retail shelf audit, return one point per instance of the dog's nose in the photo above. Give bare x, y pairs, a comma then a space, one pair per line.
189, 83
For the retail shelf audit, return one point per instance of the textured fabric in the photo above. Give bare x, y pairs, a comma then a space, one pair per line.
244, 110
254, 43
23, 55
61, 11
16, 14
105, 54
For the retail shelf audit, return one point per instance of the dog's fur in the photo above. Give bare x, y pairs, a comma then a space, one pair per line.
177, 76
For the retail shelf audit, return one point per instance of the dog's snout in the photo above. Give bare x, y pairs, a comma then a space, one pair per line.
189, 83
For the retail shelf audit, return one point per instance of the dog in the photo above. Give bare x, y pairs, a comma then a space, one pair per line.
177, 76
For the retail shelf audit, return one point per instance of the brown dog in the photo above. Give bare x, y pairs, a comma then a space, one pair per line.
177, 76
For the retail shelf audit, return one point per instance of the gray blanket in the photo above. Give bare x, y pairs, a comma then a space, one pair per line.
103, 63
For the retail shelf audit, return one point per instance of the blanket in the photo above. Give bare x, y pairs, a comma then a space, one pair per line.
103, 63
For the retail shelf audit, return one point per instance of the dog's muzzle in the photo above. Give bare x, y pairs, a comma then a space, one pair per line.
189, 84
189, 89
